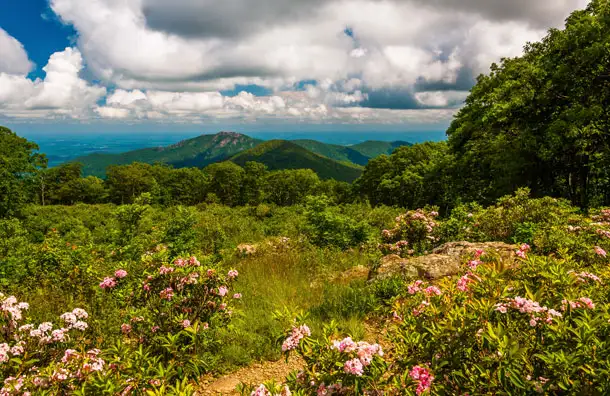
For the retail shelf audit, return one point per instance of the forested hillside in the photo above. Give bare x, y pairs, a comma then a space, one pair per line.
197, 152
476, 266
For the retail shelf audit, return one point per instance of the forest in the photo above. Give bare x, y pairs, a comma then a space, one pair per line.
474, 266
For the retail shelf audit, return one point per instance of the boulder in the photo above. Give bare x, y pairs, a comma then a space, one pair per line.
247, 250
446, 260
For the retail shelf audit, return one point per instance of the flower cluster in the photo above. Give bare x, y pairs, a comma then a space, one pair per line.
522, 252
534, 309
414, 231
111, 282
463, 284
599, 251
475, 262
423, 378
584, 277
12, 310
262, 390
582, 303
429, 291
363, 351
296, 335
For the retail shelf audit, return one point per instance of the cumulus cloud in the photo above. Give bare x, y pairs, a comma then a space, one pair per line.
61, 93
323, 60
14, 59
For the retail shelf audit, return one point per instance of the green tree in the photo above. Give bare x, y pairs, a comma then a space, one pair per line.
226, 179
19, 164
254, 183
290, 187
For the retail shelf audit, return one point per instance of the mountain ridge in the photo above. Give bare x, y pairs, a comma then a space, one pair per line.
206, 149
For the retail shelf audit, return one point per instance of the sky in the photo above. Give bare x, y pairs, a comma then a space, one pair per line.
130, 65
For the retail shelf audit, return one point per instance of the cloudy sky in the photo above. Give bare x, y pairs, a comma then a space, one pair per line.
293, 62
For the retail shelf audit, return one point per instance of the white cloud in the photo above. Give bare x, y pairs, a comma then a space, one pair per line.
13, 58
61, 93
171, 60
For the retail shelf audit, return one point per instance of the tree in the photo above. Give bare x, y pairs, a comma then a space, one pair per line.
254, 182
127, 182
226, 179
19, 164
542, 120
290, 187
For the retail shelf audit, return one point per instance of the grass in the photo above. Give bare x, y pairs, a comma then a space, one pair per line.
299, 279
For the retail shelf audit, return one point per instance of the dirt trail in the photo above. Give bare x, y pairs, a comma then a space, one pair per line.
253, 375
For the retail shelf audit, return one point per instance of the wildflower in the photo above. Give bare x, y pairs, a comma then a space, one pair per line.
463, 282
432, 291
210, 273
80, 313
80, 325
222, 291
354, 367
120, 273
586, 276
297, 334
232, 274
68, 355
421, 308
125, 328
108, 283
260, 391
599, 251
163, 270
423, 378
237, 296
415, 287
167, 294
179, 262
194, 262
186, 323
154, 329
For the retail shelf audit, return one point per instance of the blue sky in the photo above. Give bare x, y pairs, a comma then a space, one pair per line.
252, 65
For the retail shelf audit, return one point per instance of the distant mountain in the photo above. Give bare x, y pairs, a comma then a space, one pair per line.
334, 151
327, 160
373, 148
283, 154
197, 152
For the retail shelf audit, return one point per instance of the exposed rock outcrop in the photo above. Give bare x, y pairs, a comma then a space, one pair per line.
445, 260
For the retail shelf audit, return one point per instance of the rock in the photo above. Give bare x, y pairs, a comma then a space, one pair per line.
359, 272
446, 260
247, 250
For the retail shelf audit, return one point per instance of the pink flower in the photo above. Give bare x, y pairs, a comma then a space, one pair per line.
167, 294
120, 273
179, 262
432, 291
222, 291
154, 329
194, 262
463, 282
354, 367
588, 302
415, 287
108, 283
423, 378
125, 328
232, 274
237, 296
210, 273
165, 270
260, 391
297, 334
186, 323
599, 251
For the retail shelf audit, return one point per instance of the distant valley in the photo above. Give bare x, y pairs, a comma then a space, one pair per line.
329, 161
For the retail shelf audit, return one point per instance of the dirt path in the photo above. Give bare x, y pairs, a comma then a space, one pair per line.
253, 375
